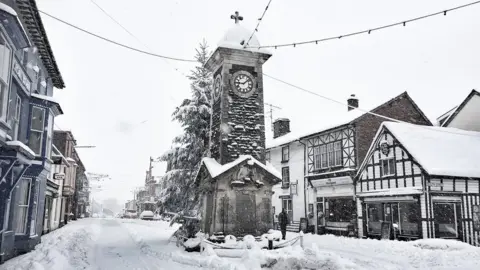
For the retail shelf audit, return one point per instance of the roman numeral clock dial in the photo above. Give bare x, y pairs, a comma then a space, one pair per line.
243, 83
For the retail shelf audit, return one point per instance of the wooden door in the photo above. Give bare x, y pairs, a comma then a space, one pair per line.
245, 213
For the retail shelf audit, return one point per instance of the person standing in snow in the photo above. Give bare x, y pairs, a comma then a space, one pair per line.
283, 220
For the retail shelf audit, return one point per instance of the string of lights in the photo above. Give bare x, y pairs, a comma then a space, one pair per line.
258, 24
366, 31
135, 37
360, 109
115, 42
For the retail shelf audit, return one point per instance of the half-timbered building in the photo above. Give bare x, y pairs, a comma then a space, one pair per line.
420, 182
331, 156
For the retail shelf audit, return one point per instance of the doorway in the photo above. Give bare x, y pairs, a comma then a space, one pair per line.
392, 215
287, 205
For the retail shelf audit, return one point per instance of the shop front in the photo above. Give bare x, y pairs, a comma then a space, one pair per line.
400, 214
334, 206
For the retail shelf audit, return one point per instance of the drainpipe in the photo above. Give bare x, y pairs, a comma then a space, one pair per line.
304, 179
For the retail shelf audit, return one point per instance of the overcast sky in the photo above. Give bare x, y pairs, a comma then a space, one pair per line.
121, 101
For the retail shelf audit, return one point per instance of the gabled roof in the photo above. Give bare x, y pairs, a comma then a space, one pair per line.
459, 108
341, 119
215, 169
438, 150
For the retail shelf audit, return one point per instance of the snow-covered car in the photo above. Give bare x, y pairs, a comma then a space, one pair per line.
131, 214
146, 215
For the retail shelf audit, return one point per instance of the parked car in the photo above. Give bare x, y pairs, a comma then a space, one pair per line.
131, 214
146, 215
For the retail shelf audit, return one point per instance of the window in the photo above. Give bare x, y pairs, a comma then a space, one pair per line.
267, 156
316, 157
16, 117
445, 218
388, 167
341, 209
409, 218
5, 62
36, 130
49, 136
285, 153
327, 155
374, 218
285, 177
22, 196
33, 222
337, 152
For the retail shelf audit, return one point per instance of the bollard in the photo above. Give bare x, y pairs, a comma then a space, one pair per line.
270, 242
301, 239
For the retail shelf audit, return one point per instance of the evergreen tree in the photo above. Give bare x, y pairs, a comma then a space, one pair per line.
189, 148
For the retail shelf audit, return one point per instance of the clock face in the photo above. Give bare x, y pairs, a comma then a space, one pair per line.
243, 83
217, 87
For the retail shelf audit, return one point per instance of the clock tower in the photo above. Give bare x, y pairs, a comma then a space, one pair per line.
238, 123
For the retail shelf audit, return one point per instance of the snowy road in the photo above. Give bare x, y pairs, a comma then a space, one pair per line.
117, 244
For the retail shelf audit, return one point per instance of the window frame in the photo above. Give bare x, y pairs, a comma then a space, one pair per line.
328, 155
393, 166
17, 114
34, 219
38, 131
26, 206
48, 147
285, 152
285, 176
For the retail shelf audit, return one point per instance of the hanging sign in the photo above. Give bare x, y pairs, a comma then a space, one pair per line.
58, 176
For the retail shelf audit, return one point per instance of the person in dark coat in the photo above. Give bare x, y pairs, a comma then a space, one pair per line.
283, 221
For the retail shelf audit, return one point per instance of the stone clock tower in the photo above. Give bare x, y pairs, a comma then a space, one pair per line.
238, 123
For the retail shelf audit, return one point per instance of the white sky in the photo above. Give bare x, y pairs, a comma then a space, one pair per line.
111, 91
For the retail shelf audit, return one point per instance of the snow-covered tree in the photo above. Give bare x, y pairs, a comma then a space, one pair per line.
189, 148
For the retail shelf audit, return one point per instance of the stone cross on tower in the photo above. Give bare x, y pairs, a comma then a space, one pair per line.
236, 17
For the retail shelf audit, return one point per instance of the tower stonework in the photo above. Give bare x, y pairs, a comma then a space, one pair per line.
238, 123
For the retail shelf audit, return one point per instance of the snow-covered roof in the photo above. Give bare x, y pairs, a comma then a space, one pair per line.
44, 97
326, 124
215, 168
439, 150
22, 146
236, 35
8, 9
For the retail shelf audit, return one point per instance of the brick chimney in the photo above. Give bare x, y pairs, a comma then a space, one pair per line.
352, 102
281, 127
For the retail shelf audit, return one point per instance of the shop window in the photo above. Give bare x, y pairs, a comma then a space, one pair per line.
374, 217
409, 218
445, 218
341, 209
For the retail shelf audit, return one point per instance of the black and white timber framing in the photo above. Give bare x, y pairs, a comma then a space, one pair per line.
410, 184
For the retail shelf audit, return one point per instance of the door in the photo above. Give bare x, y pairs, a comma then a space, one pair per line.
287, 205
392, 216
245, 213
320, 214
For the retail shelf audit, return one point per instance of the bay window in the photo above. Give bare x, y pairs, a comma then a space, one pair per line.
48, 153
5, 63
36, 130
16, 117
22, 196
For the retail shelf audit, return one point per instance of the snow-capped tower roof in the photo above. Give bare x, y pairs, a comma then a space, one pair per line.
237, 37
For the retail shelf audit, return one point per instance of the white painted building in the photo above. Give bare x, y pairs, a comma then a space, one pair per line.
59, 175
465, 116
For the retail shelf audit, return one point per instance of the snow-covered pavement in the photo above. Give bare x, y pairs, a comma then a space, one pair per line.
95, 244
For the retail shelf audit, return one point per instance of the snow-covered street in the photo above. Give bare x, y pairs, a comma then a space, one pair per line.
135, 244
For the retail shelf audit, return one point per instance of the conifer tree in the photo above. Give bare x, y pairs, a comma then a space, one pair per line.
192, 145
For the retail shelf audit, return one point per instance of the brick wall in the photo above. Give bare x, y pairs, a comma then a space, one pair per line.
400, 108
